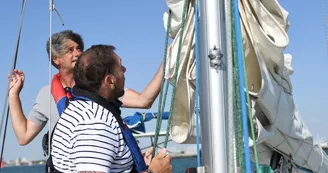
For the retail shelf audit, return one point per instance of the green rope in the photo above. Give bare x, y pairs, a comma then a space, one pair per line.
176, 73
230, 118
250, 116
161, 104
247, 100
237, 104
160, 109
238, 120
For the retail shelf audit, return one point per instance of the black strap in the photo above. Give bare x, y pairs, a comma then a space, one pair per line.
49, 163
113, 106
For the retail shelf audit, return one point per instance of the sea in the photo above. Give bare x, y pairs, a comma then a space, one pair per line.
179, 165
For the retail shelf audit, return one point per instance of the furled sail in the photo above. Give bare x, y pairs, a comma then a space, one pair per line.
183, 117
278, 124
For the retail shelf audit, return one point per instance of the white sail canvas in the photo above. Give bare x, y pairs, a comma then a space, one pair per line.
277, 122
183, 127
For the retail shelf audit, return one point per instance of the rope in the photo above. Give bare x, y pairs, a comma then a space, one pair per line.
237, 103
324, 22
160, 112
162, 102
176, 73
232, 167
51, 8
237, 110
250, 117
13, 67
197, 84
250, 112
241, 88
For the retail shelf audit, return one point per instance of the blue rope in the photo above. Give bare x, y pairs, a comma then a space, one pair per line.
304, 169
197, 87
242, 86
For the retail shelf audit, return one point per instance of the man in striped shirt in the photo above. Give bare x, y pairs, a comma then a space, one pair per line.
66, 46
90, 135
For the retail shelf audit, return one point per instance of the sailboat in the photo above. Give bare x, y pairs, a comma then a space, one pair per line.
2, 163
279, 129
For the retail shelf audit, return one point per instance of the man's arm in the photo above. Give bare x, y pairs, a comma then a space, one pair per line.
24, 129
133, 99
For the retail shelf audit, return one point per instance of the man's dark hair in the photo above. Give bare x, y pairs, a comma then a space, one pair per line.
58, 40
93, 65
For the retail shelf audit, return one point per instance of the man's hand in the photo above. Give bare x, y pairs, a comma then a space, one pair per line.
161, 163
16, 82
147, 156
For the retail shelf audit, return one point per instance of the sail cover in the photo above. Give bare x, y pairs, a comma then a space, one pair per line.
136, 122
278, 124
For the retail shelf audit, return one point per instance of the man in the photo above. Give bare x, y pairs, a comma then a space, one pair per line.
90, 135
67, 46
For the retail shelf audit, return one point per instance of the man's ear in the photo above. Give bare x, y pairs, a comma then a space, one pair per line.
55, 60
110, 81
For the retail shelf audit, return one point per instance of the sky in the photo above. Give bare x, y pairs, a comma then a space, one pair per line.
136, 29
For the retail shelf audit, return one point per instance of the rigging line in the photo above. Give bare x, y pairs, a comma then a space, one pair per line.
324, 22
232, 159
242, 84
184, 19
197, 84
158, 145
161, 104
51, 8
61, 19
13, 67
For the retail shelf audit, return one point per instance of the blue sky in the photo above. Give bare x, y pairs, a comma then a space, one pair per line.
136, 29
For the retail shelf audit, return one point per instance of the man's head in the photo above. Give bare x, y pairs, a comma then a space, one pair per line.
99, 69
66, 47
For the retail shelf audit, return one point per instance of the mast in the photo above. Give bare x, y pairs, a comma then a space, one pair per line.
213, 84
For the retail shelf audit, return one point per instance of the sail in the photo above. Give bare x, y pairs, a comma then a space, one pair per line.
278, 124
183, 126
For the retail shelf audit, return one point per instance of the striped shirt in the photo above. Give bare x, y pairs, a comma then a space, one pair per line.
88, 138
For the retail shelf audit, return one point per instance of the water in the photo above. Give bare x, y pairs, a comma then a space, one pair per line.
179, 166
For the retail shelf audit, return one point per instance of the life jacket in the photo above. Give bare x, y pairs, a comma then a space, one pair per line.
114, 108
60, 94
